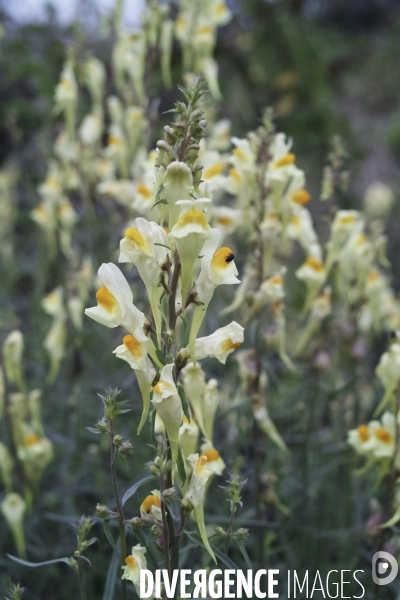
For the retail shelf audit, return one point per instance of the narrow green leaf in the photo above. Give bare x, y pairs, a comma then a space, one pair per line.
185, 332
25, 563
162, 201
185, 406
243, 550
107, 531
132, 490
153, 424
93, 430
160, 189
194, 537
181, 466
111, 577
160, 354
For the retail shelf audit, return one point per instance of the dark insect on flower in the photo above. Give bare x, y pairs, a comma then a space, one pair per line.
229, 258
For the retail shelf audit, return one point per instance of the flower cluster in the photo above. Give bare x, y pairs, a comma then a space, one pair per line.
23, 461
180, 263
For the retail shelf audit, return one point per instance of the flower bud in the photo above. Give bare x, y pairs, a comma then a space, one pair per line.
186, 507
242, 533
154, 470
126, 448
102, 426
6, 467
13, 509
102, 511
118, 439
13, 348
169, 495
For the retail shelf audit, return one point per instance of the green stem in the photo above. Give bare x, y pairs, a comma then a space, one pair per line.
165, 525
174, 287
120, 510
81, 582
173, 538
230, 527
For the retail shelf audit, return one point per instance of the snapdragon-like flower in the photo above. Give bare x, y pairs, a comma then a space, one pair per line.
91, 128
115, 301
151, 505
188, 437
301, 229
36, 453
378, 200
122, 190
133, 350
345, 223
358, 438
214, 460
190, 232
195, 495
356, 257
313, 273
135, 562
13, 509
55, 340
221, 343
94, 74
213, 167
226, 220
377, 439
117, 148
13, 349
210, 405
271, 291
6, 467
167, 402
178, 182
220, 135
266, 425
145, 246
194, 382
217, 268
66, 91
282, 174
388, 371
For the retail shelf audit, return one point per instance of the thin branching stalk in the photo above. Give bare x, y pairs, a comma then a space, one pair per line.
230, 527
120, 510
173, 538
165, 524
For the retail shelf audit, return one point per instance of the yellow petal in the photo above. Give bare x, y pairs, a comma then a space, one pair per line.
106, 299
301, 197
150, 501
222, 258
133, 346
192, 216
135, 236
286, 160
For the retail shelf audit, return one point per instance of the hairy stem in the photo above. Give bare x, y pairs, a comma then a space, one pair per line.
173, 538
165, 524
230, 527
120, 510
